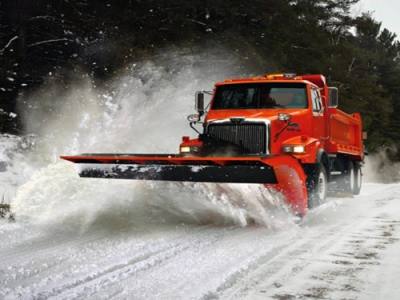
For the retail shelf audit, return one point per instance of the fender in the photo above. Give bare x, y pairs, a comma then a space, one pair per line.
322, 157
312, 149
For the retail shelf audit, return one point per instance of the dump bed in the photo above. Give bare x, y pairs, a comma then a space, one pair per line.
345, 133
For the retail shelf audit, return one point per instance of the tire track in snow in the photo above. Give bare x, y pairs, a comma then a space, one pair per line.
271, 264
271, 273
50, 253
36, 256
143, 262
338, 275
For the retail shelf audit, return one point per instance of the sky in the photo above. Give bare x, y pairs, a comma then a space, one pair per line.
385, 11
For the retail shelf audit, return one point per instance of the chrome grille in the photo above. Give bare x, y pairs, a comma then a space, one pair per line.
250, 137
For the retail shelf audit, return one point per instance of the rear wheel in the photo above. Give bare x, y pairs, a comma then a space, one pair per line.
352, 178
317, 184
357, 179
348, 178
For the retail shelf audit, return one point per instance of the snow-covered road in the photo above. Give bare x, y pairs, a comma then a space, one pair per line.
346, 249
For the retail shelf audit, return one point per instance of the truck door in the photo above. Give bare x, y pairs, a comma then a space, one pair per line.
318, 120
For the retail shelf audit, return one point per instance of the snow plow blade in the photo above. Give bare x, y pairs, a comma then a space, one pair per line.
283, 173
174, 168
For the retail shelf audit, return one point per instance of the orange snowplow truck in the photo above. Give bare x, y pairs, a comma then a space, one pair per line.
281, 130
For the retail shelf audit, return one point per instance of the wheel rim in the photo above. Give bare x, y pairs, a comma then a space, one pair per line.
321, 186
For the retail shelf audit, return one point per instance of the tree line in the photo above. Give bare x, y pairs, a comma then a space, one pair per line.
356, 53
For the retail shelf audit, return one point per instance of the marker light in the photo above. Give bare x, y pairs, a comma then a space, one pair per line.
284, 117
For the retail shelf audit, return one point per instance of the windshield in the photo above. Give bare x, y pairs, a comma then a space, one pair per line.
260, 95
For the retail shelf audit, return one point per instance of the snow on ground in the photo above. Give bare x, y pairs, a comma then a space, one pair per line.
338, 251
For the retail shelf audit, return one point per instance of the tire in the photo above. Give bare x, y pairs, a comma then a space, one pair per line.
317, 185
357, 179
348, 178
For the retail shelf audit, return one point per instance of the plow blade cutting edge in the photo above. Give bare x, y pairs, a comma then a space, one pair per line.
282, 173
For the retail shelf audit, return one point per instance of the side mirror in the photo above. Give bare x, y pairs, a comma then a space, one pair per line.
199, 103
193, 118
333, 97
365, 135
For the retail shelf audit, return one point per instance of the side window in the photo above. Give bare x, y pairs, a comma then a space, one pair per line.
321, 107
316, 100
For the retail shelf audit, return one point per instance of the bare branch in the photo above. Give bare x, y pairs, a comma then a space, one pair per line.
49, 42
8, 44
350, 68
197, 22
48, 18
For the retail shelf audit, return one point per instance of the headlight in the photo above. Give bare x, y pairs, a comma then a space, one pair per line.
185, 149
294, 149
188, 149
287, 149
298, 149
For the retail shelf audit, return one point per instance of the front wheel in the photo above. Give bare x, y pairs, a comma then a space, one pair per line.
317, 185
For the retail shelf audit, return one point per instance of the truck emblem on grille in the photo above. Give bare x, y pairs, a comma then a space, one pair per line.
236, 120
